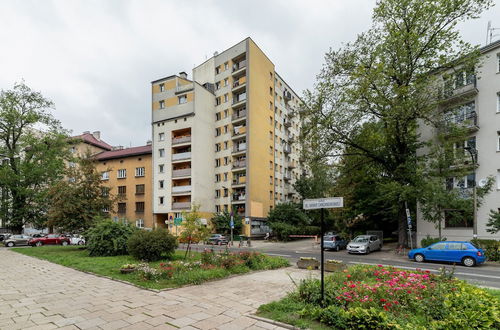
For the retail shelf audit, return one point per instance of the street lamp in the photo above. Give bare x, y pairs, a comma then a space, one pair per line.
473, 154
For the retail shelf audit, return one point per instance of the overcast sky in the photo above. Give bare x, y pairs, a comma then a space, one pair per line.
96, 59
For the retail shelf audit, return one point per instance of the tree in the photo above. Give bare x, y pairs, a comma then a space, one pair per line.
221, 223
493, 222
32, 148
79, 199
193, 230
387, 76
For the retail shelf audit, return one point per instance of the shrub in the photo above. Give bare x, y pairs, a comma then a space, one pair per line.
430, 240
283, 230
108, 238
491, 248
151, 245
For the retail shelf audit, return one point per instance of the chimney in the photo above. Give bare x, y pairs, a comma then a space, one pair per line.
97, 135
183, 75
149, 142
86, 132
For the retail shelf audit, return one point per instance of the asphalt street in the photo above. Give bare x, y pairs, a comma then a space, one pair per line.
487, 275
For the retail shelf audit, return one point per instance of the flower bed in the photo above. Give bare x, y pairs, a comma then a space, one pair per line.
388, 298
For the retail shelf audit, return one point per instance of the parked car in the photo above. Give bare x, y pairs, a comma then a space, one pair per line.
50, 239
364, 244
334, 242
16, 240
453, 251
76, 239
4, 237
39, 235
217, 239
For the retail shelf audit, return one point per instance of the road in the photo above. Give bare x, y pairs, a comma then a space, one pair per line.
483, 275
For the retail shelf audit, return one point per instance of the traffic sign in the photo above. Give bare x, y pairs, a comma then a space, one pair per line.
177, 221
323, 203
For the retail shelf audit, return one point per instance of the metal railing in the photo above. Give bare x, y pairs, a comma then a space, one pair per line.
239, 65
181, 139
239, 164
181, 155
181, 205
240, 114
181, 172
181, 189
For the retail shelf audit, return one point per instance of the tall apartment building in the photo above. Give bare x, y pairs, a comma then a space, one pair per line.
473, 101
226, 140
127, 174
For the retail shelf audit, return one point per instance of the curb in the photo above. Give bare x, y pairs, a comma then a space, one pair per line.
276, 323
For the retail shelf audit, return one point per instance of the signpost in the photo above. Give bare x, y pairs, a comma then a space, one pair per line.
231, 224
323, 203
177, 222
408, 219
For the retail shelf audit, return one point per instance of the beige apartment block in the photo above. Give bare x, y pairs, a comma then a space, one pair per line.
473, 100
227, 139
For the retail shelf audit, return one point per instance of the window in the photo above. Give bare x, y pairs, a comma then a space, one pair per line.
457, 219
161, 137
498, 62
498, 141
161, 200
122, 174
217, 208
217, 85
161, 152
139, 171
271, 91
182, 99
122, 190
139, 223
226, 161
122, 208
225, 113
225, 145
498, 102
161, 184
226, 66
162, 87
217, 101
226, 98
270, 105
161, 168
217, 131
270, 195
217, 70
217, 193
226, 192
105, 176
270, 150
104, 191
270, 165
270, 180
139, 207
226, 129
139, 189
162, 104
270, 76
462, 113
217, 178
217, 162
225, 176
226, 82
270, 135
217, 116
217, 147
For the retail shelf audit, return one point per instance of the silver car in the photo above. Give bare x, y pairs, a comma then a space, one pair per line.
15, 240
364, 244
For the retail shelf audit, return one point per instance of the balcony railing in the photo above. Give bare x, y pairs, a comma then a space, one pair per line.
181, 205
451, 92
287, 176
181, 155
240, 180
240, 147
183, 88
239, 197
181, 139
181, 172
181, 189
468, 120
291, 165
240, 82
239, 65
240, 114
239, 130
287, 149
239, 164
287, 95
239, 98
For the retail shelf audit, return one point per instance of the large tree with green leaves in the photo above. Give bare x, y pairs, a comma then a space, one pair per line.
222, 220
80, 199
33, 146
385, 77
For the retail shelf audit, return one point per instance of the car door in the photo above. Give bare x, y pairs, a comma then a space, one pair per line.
454, 252
436, 252
51, 239
373, 243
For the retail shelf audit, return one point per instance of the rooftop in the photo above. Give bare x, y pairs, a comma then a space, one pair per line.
122, 153
92, 140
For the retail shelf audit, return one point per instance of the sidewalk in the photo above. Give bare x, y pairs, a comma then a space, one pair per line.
37, 294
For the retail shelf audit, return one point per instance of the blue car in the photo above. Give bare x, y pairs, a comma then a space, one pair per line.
460, 252
334, 242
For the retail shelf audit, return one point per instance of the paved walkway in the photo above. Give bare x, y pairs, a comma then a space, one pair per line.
36, 294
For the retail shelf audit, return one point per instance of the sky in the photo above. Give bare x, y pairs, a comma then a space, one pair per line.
95, 59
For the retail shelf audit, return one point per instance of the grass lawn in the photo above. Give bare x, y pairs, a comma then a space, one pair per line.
74, 257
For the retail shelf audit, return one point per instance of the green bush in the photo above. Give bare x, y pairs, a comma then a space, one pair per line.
108, 238
491, 248
283, 230
430, 240
152, 245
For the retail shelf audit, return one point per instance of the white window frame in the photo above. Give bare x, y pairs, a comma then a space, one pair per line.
139, 223
162, 87
498, 179
162, 104
161, 168
498, 102
182, 99
161, 153
161, 136
161, 184
140, 171
161, 200
121, 173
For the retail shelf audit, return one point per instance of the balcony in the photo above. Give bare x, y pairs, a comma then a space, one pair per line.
183, 88
239, 67
287, 177
181, 139
181, 189
239, 180
287, 96
239, 115
181, 173
239, 131
238, 198
467, 120
181, 205
287, 149
239, 99
181, 156
454, 93
291, 165
287, 123
242, 147
239, 164
239, 84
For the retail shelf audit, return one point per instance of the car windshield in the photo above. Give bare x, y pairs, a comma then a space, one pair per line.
360, 240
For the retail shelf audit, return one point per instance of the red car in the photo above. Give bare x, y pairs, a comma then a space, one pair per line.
50, 239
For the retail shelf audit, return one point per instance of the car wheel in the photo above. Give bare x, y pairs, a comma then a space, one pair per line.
367, 250
39, 244
419, 257
64, 243
10, 244
337, 248
468, 261
80, 242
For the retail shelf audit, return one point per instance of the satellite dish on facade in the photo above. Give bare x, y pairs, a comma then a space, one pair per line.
482, 183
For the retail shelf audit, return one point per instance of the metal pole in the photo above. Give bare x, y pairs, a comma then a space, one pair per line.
322, 258
232, 226
474, 223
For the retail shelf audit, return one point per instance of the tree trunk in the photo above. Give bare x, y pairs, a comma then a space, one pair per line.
402, 233
16, 221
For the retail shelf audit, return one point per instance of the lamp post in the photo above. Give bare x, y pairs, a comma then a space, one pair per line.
473, 154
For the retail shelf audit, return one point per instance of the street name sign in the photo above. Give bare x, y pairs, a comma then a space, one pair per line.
323, 203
